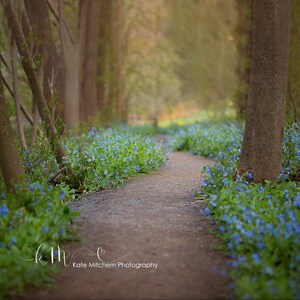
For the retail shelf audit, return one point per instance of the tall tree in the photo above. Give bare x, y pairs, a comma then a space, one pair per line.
89, 84
10, 162
34, 83
71, 48
243, 34
16, 93
52, 77
116, 93
102, 59
265, 115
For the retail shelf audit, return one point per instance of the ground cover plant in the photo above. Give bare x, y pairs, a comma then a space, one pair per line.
260, 224
99, 159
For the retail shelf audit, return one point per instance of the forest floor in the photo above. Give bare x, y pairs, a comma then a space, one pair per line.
154, 219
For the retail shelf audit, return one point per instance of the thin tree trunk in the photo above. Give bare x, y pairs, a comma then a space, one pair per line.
16, 93
10, 163
37, 11
35, 86
104, 71
71, 57
116, 88
243, 33
89, 84
263, 138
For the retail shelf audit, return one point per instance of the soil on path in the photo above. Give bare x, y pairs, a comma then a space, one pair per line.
152, 219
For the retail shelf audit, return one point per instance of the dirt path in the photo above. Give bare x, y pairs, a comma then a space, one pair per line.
152, 219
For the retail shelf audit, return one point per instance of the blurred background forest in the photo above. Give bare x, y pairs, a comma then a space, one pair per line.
133, 61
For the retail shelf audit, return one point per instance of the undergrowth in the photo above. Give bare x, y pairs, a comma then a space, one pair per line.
260, 224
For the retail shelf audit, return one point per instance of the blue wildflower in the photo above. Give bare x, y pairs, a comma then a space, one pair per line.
222, 229
3, 210
256, 258
45, 229
205, 212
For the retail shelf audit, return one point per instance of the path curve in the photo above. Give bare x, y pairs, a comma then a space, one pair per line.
153, 218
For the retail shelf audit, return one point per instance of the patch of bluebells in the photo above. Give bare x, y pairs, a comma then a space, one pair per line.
99, 158
104, 158
260, 224
42, 218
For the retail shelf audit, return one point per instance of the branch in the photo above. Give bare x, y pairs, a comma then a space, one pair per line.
54, 13
5, 63
23, 109
51, 179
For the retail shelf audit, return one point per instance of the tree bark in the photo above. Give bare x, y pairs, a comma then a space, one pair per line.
89, 84
10, 163
103, 61
37, 11
16, 94
71, 59
35, 86
116, 93
243, 34
265, 115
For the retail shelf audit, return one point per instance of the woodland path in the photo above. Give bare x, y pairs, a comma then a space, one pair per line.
152, 218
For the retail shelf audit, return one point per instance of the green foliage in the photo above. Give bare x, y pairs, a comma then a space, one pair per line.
44, 218
259, 223
99, 159
107, 158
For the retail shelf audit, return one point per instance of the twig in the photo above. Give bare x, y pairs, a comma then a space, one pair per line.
5, 63
54, 13
56, 174
23, 109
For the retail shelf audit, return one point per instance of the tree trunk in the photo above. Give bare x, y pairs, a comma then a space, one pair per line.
10, 162
243, 33
35, 86
16, 93
37, 11
117, 98
71, 59
103, 60
89, 84
265, 115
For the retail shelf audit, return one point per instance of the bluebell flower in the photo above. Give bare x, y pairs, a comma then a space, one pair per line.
3, 210
268, 270
232, 263
12, 242
249, 175
62, 195
205, 212
222, 229
256, 258
45, 229
208, 172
